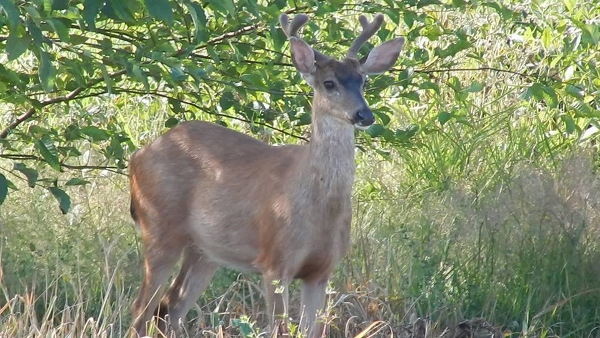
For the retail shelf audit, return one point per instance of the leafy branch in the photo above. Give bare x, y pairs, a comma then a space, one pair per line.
73, 95
29, 157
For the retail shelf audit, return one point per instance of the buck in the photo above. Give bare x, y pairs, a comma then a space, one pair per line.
215, 197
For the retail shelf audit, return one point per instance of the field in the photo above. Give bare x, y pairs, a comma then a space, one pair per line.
476, 206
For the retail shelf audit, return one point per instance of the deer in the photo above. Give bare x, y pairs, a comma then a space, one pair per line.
209, 196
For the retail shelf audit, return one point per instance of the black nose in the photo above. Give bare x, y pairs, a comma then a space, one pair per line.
364, 117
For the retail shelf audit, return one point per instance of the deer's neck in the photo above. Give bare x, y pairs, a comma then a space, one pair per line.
330, 157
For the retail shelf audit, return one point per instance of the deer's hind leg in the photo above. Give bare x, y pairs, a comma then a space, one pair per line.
162, 243
158, 260
194, 276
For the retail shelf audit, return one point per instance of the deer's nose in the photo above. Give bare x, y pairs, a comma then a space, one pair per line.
364, 118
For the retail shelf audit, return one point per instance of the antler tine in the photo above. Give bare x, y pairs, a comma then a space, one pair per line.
291, 29
369, 29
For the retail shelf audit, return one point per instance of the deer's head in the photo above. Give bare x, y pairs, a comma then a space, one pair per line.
339, 85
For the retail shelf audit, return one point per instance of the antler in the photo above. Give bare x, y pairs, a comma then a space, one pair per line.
291, 30
369, 29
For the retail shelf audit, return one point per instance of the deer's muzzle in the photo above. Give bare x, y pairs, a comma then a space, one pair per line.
363, 118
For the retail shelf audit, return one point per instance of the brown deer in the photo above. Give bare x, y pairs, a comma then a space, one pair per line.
213, 196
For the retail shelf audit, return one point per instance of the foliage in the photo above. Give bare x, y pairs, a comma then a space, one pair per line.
67, 61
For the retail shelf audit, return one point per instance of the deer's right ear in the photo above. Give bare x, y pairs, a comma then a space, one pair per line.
383, 57
303, 56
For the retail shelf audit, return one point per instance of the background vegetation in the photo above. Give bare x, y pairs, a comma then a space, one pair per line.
477, 198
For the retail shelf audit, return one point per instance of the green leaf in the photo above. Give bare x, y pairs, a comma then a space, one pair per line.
502, 10
120, 10
171, 122
474, 87
64, 201
11, 11
421, 55
35, 32
409, 18
405, 76
115, 149
47, 72
444, 117
412, 95
256, 80
107, 79
76, 181
160, 9
453, 48
569, 5
375, 130
226, 100
430, 85
570, 126
455, 84
549, 96
31, 174
199, 19
90, 11
138, 75
536, 91
425, 3
244, 327
72, 132
95, 133
69, 151
58, 5
404, 135
3, 188
61, 30
575, 91
47, 149
225, 7
546, 37
177, 74
384, 118
303, 120
175, 105
17, 44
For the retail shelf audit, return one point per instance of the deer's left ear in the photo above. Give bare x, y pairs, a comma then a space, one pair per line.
303, 56
383, 57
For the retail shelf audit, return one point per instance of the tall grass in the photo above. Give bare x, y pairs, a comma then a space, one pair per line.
522, 253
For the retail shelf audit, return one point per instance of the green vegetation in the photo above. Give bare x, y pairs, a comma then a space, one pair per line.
477, 202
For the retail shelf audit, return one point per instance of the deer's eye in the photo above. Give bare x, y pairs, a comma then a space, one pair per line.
329, 84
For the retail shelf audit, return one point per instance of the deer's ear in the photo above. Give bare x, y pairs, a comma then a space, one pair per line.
383, 57
303, 56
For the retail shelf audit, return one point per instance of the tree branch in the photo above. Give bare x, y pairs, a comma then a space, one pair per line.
241, 31
27, 157
206, 110
68, 97
449, 70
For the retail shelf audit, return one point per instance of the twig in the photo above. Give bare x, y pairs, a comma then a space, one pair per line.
68, 97
449, 70
229, 35
204, 109
27, 157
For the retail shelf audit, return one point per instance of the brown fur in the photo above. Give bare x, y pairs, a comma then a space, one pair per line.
217, 197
